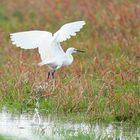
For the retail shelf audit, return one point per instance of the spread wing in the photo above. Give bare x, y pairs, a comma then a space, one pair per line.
29, 39
35, 39
68, 30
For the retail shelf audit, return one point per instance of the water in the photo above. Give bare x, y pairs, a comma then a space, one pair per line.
31, 127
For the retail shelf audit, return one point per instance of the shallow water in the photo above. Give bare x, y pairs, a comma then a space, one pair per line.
26, 127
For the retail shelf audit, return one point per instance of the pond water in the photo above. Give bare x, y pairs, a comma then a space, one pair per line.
34, 127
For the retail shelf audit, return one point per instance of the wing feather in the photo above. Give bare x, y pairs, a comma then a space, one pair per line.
68, 30
34, 39
29, 39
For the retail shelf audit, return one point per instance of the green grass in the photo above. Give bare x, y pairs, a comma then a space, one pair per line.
103, 83
2, 138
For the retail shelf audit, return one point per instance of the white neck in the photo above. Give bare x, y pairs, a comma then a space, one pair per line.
69, 57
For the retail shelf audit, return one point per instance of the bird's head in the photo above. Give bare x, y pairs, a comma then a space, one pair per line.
73, 50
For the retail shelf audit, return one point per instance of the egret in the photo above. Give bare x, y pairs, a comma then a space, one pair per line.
48, 45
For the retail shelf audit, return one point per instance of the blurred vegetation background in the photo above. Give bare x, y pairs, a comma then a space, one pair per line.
104, 83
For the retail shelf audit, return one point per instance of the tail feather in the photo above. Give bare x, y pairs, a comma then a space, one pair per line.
46, 62
40, 64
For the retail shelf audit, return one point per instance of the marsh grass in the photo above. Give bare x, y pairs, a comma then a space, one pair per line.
104, 83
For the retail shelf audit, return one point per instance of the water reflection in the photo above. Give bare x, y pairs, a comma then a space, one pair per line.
36, 118
25, 127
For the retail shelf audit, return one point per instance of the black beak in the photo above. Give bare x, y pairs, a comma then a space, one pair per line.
80, 51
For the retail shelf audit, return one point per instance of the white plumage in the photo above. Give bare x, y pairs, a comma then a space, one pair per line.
48, 44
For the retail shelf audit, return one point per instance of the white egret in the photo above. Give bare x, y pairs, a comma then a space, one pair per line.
48, 44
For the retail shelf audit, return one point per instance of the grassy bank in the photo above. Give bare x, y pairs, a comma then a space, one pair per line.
103, 83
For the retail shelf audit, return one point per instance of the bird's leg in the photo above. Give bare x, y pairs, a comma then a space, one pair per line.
53, 88
48, 76
53, 74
